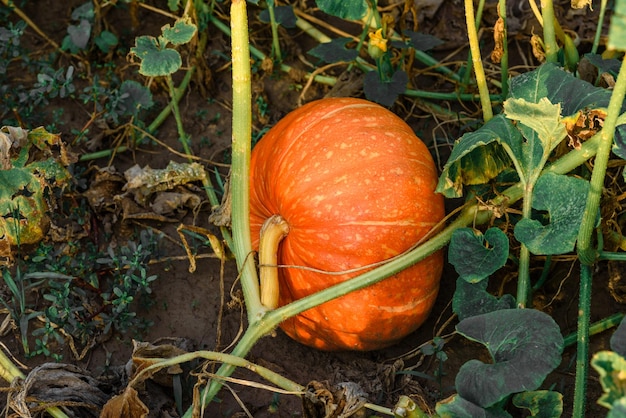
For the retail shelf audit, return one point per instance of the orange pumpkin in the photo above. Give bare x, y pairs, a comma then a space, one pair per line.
355, 186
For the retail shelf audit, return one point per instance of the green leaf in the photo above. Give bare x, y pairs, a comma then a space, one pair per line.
284, 16
617, 30
419, 41
84, 11
344, 9
477, 157
542, 129
106, 40
335, 51
618, 410
173, 5
181, 33
559, 86
525, 345
612, 369
155, 61
618, 339
457, 407
540, 403
467, 165
471, 299
384, 92
79, 35
619, 142
476, 256
564, 198
134, 97
610, 65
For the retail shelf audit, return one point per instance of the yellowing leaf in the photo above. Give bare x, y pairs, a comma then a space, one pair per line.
579, 4
543, 117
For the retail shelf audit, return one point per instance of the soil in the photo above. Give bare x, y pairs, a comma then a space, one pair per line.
202, 310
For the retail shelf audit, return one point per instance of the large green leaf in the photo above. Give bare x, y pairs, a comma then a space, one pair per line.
611, 367
475, 255
619, 142
477, 157
335, 51
345, 9
525, 345
540, 403
384, 92
564, 198
469, 164
418, 40
618, 410
618, 339
284, 16
471, 299
559, 86
617, 30
457, 407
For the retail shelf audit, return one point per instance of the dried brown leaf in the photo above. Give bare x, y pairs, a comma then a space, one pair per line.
498, 37
126, 404
146, 354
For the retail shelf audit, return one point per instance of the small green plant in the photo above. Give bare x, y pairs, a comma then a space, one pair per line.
105, 291
85, 295
19, 286
118, 100
159, 60
79, 34
436, 350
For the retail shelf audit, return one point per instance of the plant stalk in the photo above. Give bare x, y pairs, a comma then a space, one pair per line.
276, 54
596, 328
182, 136
468, 66
523, 279
549, 33
504, 60
586, 253
479, 71
241, 147
598, 35
582, 341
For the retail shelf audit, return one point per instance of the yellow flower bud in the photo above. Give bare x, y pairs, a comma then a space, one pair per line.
377, 45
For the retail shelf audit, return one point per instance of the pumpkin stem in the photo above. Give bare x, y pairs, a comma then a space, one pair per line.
274, 229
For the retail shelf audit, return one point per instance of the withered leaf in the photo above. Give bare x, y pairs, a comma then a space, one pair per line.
146, 354
143, 182
127, 404
583, 125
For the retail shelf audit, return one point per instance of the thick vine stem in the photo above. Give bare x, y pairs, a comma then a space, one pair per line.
274, 229
549, 31
479, 71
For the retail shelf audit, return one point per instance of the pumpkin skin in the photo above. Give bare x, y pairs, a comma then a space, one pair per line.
356, 187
